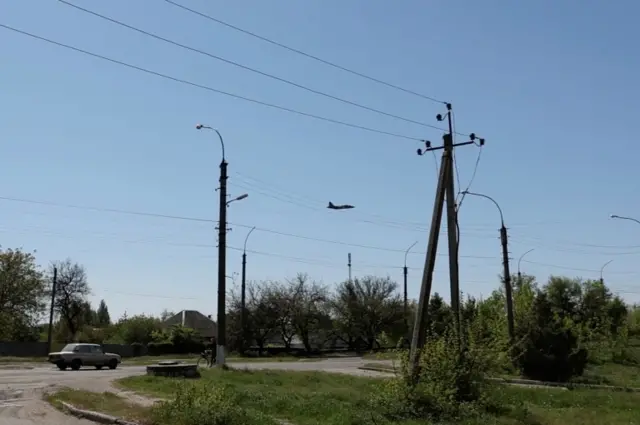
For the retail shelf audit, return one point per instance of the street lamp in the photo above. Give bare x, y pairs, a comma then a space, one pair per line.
405, 272
243, 292
602, 270
519, 261
221, 340
505, 264
206, 127
624, 218
238, 198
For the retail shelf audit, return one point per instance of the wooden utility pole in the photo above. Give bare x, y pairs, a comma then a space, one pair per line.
444, 189
349, 265
51, 310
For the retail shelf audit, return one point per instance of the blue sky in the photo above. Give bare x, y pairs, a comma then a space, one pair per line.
549, 85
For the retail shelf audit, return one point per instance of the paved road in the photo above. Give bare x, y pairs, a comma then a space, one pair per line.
21, 389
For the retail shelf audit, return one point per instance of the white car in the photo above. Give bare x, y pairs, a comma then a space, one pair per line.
77, 355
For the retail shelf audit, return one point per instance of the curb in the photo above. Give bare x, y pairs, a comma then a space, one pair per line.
568, 385
95, 416
516, 381
15, 367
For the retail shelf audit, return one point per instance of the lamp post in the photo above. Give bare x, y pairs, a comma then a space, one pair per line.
519, 261
243, 292
405, 272
602, 271
221, 339
505, 264
619, 217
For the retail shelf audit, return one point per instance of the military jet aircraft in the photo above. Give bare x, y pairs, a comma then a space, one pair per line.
339, 207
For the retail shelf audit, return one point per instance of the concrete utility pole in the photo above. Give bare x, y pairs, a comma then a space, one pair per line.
221, 340
508, 289
51, 310
405, 273
243, 294
602, 271
519, 261
349, 265
445, 188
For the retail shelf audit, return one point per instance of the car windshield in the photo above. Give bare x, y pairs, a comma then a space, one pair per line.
69, 347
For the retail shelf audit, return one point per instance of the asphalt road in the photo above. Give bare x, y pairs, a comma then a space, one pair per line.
21, 390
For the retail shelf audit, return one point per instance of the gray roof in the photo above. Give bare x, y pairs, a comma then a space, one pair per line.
195, 320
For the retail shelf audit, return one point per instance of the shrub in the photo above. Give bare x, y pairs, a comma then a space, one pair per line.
207, 405
450, 383
137, 349
160, 348
549, 346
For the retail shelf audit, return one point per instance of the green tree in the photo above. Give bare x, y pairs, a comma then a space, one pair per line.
23, 293
139, 328
102, 315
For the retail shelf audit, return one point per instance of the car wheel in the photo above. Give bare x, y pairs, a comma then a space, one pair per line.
62, 366
113, 364
98, 367
76, 364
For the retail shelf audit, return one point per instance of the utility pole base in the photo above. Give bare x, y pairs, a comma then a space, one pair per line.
220, 352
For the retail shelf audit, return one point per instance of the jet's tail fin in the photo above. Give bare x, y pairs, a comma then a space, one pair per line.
331, 205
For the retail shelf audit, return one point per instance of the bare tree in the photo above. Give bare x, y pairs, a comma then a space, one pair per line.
364, 308
284, 302
306, 301
72, 290
262, 312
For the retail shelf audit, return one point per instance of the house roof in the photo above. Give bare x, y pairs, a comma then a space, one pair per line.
195, 320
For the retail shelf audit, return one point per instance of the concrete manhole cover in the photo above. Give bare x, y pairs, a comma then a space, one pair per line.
169, 363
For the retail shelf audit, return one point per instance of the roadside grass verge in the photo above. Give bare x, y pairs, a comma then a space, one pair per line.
108, 403
309, 398
614, 374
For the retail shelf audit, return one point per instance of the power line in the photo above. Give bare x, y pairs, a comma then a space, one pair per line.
266, 230
185, 218
572, 268
300, 52
209, 88
310, 261
248, 68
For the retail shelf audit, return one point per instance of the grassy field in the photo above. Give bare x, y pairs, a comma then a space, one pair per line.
313, 398
144, 360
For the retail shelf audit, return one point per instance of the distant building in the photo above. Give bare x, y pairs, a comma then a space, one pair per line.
195, 320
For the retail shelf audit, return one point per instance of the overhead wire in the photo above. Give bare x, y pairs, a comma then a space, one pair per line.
209, 88
248, 68
271, 231
196, 219
300, 52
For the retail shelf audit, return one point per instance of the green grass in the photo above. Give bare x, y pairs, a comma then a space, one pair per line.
107, 403
331, 399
